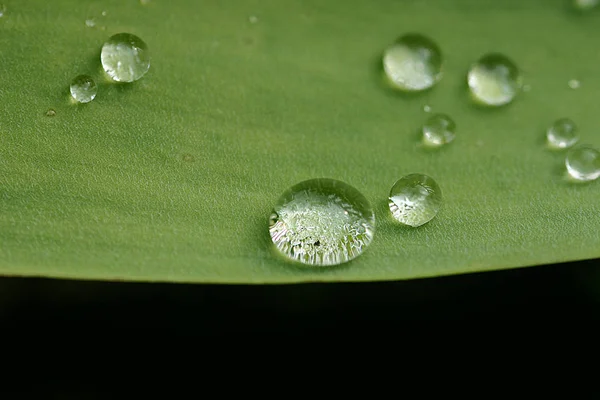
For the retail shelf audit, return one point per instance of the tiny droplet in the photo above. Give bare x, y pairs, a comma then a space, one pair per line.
253, 19
90, 22
574, 84
562, 134
83, 89
583, 163
439, 129
2, 10
413, 63
426, 108
322, 222
415, 199
104, 13
494, 80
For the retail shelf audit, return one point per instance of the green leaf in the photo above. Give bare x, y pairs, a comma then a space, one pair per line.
172, 178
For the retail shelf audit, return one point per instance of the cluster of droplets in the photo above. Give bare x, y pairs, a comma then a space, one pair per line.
124, 58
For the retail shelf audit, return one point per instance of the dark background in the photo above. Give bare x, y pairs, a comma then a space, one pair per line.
561, 292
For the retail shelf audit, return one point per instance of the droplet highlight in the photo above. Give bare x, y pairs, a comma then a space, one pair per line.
494, 80
439, 129
583, 163
562, 134
125, 57
574, 84
415, 199
83, 89
413, 63
322, 222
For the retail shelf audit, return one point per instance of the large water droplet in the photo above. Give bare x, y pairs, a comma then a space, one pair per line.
439, 129
413, 63
585, 4
322, 222
84, 89
415, 199
583, 163
494, 80
562, 134
125, 57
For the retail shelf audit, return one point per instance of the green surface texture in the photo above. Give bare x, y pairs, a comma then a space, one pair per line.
172, 178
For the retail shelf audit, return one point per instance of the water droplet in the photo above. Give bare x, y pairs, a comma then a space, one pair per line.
90, 22
2, 10
322, 222
125, 57
494, 80
585, 4
439, 129
583, 163
253, 19
104, 13
413, 63
562, 134
83, 89
574, 84
415, 199
50, 112
426, 108
144, 2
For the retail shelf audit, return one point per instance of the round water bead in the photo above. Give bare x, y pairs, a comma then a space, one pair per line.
415, 199
413, 63
562, 134
494, 80
84, 89
125, 57
322, 222
583, 163
439, 129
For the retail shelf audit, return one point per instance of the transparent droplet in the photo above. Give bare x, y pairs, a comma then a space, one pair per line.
439, 129
574, 84
90, 22
322, 222
2, 10
426, 108
413, 63
415, 199
494, 80
562, 134
583, 163
83, 89
585, 4
125, 57
104, 13
50, 112
253, 19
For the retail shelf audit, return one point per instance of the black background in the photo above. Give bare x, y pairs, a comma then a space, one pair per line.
561, 292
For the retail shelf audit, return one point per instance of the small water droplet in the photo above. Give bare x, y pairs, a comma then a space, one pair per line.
494, 80
574, 84
426, 108
413, 63
90, 22
322, 222
253, 19
562, 134
2, 10
50, 112
583, 163
104, 13
83, 89
439, 129
125, 57
585, 4
415, 199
